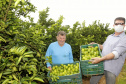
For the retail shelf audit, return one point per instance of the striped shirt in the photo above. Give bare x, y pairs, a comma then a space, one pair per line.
117, 46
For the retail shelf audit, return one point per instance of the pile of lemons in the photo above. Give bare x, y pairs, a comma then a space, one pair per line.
89, 52
63, 69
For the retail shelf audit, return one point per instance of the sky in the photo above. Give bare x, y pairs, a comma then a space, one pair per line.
81, 10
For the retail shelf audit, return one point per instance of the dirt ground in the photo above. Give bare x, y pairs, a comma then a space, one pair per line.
86, 80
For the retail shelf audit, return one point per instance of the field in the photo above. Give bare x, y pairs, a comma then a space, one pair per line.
86, 80
121, 79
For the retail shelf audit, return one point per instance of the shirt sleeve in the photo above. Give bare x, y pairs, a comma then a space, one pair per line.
71, 55
48, 53
121, 47
115, 54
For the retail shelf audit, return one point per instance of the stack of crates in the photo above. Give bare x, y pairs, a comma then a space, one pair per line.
88, 68
67, 79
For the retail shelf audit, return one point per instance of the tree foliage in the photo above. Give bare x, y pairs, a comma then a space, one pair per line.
16, 37
23, 44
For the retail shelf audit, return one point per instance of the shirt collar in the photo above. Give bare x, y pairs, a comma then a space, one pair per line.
122, 34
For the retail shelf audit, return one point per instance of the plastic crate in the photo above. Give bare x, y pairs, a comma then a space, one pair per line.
88, 68
68, 79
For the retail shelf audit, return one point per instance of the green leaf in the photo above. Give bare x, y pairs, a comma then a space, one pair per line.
22, 35
15, 82
38, 79
16, 3
25, 82
5, 81
23, 1
2, 39
29, 53
21, 50
34, 82
19, 60
1, 74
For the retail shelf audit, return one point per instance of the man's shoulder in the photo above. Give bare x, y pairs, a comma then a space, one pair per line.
67, 44
109, 35
53, 43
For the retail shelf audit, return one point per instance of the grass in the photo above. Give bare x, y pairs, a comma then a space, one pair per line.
121, 79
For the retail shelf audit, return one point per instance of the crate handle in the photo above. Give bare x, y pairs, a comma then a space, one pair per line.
65, 80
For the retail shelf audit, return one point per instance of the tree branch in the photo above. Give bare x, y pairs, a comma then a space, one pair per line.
7, 10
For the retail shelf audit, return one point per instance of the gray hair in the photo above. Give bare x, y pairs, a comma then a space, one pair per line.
62, 33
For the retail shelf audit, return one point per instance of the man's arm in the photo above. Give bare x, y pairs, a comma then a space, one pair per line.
107, 57
117, 51
100, 46
121, 47
48, 53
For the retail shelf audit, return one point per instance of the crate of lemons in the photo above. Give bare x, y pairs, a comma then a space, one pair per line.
69, 73
86, 53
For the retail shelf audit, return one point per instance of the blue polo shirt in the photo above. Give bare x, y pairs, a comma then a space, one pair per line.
60, 55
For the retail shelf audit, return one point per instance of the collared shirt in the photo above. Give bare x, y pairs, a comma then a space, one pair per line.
60, 55
113, 45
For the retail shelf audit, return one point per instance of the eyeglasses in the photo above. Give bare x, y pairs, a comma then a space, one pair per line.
119, 23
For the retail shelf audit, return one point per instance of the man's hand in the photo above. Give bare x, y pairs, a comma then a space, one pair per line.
100, 46
93, 43
95, 60
49, 68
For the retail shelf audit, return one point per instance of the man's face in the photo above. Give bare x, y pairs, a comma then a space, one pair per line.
119, 26
61, 39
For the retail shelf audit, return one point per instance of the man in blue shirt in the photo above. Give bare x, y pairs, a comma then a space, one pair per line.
113, 53
61, 52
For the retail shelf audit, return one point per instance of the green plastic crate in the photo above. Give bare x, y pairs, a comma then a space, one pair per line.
68, 79
88, 68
